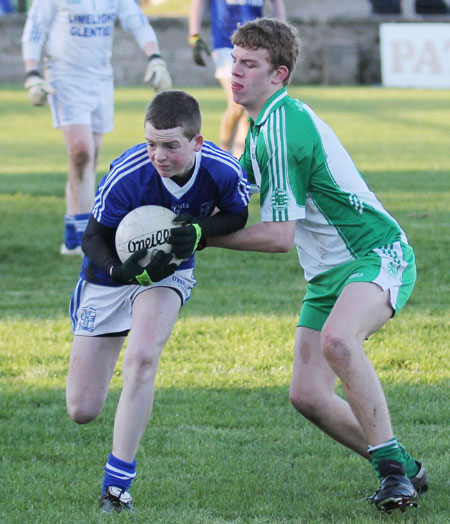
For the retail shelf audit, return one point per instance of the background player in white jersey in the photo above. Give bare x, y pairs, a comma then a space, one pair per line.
226, 15
79, 82
358, 264
176, 169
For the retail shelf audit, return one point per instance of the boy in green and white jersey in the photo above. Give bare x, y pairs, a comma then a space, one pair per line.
356, 259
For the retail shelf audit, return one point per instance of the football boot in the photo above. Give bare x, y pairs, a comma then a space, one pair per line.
396, 490
420, 481
116, 499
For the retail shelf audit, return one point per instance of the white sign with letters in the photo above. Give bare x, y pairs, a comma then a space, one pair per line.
415, 55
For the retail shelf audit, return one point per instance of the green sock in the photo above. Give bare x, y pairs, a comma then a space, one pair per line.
411, 467
389, 450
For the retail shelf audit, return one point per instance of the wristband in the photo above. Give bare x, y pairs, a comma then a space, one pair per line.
154, 55
192, 40
198, 231
144, 279
33, 72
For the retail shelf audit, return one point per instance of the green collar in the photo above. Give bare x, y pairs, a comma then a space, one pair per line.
272, 104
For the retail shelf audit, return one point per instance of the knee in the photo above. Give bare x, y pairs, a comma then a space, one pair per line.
141, 365
81, 412
80, 157
307, 403
336, 349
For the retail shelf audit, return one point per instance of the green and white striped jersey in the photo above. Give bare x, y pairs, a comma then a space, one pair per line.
303, 173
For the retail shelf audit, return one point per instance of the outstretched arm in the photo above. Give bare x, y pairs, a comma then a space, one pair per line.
267, 237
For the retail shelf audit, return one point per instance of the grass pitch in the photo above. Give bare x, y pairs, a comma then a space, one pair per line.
223, 445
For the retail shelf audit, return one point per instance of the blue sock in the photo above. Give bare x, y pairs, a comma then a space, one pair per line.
81, 221
118, 473
70, 232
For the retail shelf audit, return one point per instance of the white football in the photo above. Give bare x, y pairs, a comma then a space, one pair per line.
145, 227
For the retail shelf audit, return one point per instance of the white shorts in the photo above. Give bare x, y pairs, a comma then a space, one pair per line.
101, 310
81, 99
223, 61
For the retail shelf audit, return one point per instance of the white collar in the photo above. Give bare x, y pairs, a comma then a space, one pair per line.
178, 191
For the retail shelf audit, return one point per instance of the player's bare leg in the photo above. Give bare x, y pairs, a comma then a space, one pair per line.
91, 366
361, 310
229, 125
154, 314
312, 394
83, 146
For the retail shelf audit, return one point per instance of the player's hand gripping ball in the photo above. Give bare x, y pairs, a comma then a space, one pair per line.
146, 227
185, 240
133, 272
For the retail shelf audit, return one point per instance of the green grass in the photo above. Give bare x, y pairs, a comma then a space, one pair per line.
223, 446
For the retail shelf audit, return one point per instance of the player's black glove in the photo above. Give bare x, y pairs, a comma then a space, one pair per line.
131, 272
185, 239
199, 46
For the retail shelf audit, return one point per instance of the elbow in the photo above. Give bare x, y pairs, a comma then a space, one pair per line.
282, 239
280, 244
283, 246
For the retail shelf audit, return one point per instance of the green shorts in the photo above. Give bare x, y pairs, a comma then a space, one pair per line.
391, 267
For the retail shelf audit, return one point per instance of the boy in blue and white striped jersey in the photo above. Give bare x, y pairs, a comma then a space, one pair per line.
208, 190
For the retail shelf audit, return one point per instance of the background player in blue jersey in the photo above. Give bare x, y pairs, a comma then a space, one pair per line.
225, 17
79, 79
176, 169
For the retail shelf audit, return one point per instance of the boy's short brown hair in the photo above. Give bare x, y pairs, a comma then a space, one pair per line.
172, 109
279, 38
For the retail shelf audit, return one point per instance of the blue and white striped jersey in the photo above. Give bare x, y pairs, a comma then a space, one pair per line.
218, 181
227, 14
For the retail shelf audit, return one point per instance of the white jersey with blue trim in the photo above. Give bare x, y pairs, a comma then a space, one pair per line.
80, 32
218, 181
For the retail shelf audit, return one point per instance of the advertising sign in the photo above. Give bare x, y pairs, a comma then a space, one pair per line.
415, 55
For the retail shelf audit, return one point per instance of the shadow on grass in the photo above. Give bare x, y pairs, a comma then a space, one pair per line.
224, 455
